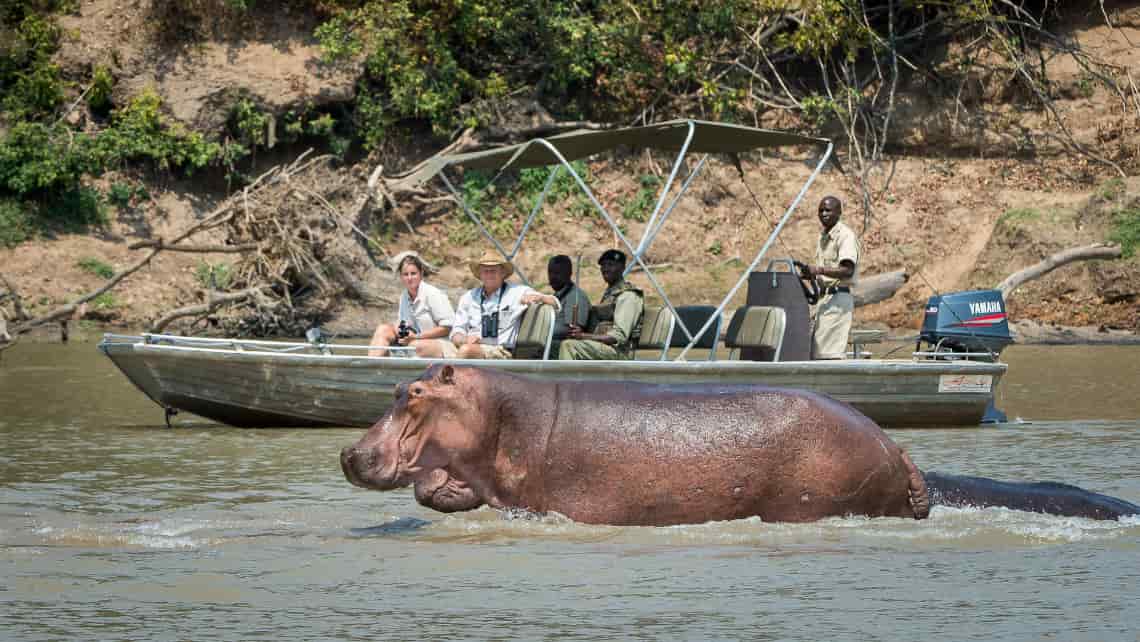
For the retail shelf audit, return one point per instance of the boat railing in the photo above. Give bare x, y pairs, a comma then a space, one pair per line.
253, 345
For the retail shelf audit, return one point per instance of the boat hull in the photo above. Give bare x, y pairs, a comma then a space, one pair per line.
267, 389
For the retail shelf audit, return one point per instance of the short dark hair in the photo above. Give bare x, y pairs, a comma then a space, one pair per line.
560, 259
612, 255
414, 260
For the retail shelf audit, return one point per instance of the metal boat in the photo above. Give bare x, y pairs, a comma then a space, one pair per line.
314, 383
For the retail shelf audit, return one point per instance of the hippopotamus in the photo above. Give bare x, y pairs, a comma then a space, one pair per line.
623, 453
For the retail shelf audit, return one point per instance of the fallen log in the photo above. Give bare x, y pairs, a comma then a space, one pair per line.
1087, 253
214, 300
872, 289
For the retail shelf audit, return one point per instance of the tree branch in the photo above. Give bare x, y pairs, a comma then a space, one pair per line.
1086, 253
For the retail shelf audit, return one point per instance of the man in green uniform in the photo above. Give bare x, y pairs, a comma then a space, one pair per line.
837, 268
618, 317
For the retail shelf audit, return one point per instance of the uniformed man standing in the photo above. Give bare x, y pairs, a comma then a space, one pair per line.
618, 317
837, 269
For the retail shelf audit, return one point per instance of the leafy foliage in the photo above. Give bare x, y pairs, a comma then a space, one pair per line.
15, 223
102, 84
642, 203
214, 276
1126, 229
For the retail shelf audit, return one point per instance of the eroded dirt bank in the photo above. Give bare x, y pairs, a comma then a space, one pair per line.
954, 217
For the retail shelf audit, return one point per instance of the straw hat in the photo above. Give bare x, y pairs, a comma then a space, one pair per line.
491, 258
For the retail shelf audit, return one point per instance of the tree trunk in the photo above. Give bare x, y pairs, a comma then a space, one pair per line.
880, 287
1086, 253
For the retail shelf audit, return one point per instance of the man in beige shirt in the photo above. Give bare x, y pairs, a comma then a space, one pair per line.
836, 267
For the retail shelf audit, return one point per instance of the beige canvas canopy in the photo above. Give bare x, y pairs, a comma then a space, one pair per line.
707, 138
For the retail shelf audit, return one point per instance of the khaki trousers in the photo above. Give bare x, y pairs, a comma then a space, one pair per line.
585, 349
833, 316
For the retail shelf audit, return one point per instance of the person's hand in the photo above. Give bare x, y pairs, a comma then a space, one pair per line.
408, 338
532, 298
574, 332
471, 339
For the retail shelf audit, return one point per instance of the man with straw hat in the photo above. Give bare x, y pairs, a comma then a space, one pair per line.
487, 318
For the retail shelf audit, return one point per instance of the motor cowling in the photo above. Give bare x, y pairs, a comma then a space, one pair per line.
973, 322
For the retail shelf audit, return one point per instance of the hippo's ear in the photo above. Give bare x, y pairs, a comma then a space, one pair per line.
446, 376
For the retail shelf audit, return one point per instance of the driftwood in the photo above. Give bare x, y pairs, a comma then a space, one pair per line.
286, 233
1086, 253
872, 289
214, 300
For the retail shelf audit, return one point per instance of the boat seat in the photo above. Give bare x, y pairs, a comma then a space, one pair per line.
536, 331
859, 338
695, 317
656, 331
757, 326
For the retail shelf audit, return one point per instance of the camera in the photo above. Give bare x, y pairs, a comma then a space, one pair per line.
491, 325
404, 330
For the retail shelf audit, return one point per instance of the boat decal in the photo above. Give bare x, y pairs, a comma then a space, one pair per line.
965, 383
984, 320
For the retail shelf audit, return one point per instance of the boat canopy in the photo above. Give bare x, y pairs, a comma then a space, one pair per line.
702, 136
680, 136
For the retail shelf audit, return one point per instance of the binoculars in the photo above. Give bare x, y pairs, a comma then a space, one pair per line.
404, 329
491, 325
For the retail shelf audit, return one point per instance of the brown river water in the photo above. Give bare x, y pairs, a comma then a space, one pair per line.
114, 527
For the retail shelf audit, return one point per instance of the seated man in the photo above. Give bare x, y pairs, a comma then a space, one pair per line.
487, 318
618, 317
575, 304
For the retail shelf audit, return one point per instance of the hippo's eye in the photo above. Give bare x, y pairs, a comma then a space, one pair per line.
417, 391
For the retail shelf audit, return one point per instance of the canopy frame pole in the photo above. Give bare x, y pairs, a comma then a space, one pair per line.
673, 204
651, 233
534, 212
763, 250
668, 184
613, 225
482, 226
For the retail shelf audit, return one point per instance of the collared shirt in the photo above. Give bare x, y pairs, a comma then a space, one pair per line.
430, 309
507, 301
574, 301
835, 246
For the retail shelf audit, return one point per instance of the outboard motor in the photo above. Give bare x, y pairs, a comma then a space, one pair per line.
973, 324
967, 325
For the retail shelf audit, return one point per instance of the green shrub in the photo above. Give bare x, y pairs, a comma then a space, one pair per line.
105, 301
15, 223
75, 210
1126, 230
249, 124
94, 266
38, 158
1019, 215
140, 132
214, 276
102, 85
120, 195
641, 205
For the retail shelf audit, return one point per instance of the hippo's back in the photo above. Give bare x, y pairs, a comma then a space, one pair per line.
647, 453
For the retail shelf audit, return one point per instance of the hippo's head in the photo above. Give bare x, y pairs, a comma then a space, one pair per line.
435, 425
